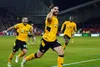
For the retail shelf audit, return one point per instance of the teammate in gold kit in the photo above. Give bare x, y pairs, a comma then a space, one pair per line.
70, 28
21, 38
49, 39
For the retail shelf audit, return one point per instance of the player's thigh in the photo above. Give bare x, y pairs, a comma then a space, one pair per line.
56, 46
59, 50
44, 46
16, 46
66, 38
23, 46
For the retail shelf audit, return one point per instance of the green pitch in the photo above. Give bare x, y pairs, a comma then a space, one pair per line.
84, 52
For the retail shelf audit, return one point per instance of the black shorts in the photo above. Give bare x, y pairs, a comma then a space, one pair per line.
19, 44
66, 37
30, 36
44, 46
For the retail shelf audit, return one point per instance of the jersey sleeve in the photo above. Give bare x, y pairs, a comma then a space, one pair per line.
63, 26
16, 26
75, 27
31, 28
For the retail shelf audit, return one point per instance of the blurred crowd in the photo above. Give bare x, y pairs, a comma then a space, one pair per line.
91, 26
6, 23
8, 19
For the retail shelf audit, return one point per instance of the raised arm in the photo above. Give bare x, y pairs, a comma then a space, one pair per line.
10, 28
49, 16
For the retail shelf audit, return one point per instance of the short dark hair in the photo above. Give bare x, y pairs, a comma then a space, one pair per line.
24, 17
51, 7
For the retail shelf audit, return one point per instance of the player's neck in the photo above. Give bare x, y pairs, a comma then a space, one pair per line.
24, 24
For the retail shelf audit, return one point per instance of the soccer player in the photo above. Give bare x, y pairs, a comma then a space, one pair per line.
21, 38
49, 39
31, 38
68, 27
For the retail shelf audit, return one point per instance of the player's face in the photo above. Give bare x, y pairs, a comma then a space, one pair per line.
71, 18
56, 11
25, 20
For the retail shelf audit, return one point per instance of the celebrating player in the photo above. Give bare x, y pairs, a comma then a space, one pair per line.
49, 39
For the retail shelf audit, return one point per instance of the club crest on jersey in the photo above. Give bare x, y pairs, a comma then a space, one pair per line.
22, 30
56, 25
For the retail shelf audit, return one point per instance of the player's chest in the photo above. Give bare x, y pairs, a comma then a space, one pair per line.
24, 29
53, 24
69, 25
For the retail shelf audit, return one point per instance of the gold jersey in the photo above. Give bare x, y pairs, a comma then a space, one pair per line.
70, 28
51, 29
22, 31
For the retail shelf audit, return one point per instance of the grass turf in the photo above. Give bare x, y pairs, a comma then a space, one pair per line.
83, 48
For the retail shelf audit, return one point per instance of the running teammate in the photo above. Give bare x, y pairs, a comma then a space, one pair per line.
21, 38
68, 27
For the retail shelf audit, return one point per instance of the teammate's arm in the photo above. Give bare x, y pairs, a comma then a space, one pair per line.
10, 28
62, 27
75, 28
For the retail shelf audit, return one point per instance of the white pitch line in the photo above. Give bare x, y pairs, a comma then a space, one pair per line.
80, 62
